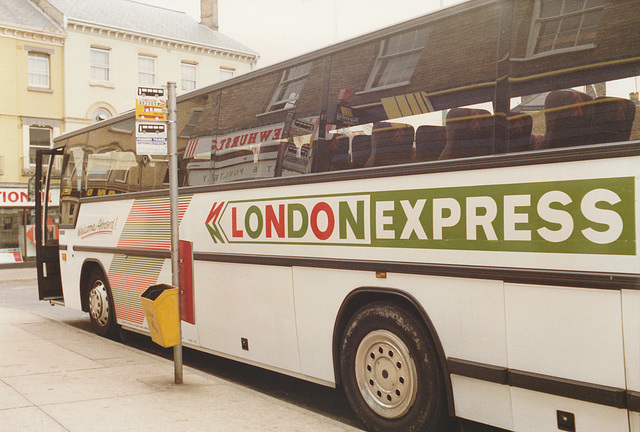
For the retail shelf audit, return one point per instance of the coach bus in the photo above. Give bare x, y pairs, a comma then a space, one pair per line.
440, 217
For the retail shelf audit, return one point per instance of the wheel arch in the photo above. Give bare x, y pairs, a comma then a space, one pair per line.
88, 266
366, 295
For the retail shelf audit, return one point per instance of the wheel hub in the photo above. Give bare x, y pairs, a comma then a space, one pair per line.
386, 374
99, 303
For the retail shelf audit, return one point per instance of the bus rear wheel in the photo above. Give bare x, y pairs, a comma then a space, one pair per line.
101, 308
390, 371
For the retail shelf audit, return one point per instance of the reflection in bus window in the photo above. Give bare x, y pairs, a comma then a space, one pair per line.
245, 163
297, 155
453, 133
591, 114
111, 172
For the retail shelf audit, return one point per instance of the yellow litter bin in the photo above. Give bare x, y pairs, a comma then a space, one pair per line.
161, 307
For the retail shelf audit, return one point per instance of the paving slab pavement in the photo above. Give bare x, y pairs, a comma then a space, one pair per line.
56, 378
14, 274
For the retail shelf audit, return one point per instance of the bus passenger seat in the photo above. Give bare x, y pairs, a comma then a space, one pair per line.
360, 150
391, 144
469, 133
341, 159
519, 129
430, 141
535, 141
612, 119
568, 119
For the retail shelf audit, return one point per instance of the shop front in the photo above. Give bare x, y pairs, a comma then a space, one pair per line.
17, 221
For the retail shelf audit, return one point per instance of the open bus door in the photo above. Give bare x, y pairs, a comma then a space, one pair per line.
49, 169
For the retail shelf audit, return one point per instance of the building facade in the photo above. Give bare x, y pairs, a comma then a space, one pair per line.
69, 63
31, 113
113, 47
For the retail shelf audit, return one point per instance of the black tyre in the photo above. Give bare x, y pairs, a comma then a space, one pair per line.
390, 371
101, 308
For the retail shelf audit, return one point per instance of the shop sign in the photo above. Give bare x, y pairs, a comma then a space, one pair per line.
345, 116
300, 127
19, 197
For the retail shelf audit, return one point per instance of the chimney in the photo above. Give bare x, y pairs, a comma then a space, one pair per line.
209, 13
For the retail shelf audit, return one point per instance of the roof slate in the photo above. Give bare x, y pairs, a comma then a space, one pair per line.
148, 19
26, 14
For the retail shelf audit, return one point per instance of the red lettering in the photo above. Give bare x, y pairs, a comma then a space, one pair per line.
228, 143
276, 222
24, 197
13, 196
243, 139
235, 232
326, 208
253, 137
235, 141
276, 134
215, 212
264, 135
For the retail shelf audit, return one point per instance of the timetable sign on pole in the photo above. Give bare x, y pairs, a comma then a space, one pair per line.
151, 138
151, 104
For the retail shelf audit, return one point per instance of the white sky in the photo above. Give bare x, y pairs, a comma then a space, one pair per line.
281, 29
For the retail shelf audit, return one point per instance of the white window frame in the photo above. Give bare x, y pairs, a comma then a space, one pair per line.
227, 73
147, 73
538, 22
387, 59
192, 81
29, 164
39, 123
100, 66
296, 75
34, 71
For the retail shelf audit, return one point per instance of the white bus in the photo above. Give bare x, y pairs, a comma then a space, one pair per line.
440, 217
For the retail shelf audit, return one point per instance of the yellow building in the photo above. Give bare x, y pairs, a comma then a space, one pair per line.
31, 113
69, 63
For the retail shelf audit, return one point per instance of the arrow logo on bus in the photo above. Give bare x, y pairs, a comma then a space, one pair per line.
215, 231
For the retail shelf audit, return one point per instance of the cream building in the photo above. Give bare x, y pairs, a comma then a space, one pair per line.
31, 112
114, 46
68, 63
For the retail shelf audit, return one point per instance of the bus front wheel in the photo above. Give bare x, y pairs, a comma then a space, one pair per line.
390, 371
101, 309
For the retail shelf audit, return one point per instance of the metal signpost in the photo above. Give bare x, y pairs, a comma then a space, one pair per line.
156, 134
173, 204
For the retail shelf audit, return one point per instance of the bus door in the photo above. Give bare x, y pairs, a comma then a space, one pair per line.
49, 169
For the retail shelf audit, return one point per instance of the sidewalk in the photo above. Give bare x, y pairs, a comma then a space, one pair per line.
17, 273
55, 378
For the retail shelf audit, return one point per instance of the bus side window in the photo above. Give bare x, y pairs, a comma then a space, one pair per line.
340, 157
519, 129
612, 119
430, 141
567, 118
469, 133
391, 144
572, 117
360, 150
296, 157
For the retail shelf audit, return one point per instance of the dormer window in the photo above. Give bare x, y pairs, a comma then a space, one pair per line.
290, 87
564, 25
397, 58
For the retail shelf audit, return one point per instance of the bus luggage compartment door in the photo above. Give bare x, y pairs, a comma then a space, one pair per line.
49, 168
